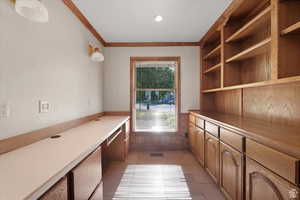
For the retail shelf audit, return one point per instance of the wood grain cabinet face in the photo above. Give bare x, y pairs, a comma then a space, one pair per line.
233, 139
192, 118
87, 175
199, 122
212, 128
282, 164
58, 192
212, 156
231, 172
192, 137
199, 145
262, 184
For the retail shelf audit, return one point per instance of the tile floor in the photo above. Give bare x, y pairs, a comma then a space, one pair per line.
176, 175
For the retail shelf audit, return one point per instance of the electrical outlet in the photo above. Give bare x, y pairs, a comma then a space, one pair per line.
44, 106
4, 111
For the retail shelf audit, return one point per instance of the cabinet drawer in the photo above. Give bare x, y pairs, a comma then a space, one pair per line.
87, 175
212, 129
58, 192
192, 118
199, 122
233, 139
280, 163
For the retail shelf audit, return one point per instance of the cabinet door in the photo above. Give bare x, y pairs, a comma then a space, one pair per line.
263, 184
192, 138
212, 156
58, 192
231, 172
199, 145
87, 175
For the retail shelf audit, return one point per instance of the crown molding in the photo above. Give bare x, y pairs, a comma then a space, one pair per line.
150, 44
222, 20
84, 20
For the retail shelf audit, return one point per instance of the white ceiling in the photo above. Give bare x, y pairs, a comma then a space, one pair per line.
133, 20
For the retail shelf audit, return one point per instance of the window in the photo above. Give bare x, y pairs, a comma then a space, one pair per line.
155, 95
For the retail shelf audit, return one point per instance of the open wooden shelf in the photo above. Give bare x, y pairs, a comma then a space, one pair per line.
262, 18
293, 29
215, 52
252, 51
213, 68
257, 84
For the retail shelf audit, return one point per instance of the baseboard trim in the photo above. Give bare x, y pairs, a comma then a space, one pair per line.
25, 139
117, 113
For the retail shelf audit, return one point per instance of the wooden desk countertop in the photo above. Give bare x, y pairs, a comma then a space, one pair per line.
28, 172
283, 138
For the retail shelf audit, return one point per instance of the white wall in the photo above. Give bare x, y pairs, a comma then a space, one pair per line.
46, 62
117, 75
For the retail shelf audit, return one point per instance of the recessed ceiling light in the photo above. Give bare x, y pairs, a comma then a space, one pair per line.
158, 18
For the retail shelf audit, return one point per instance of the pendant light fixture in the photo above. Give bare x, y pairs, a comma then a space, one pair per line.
33, 10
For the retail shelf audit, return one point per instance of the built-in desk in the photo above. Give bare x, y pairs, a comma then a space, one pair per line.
29, 172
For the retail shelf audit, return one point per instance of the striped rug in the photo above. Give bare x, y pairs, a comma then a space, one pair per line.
149, 182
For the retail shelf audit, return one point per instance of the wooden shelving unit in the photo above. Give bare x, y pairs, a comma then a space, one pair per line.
260, 48
213, 53
257, 75
251, 26
257, 84
211, 60
212, 69
293, 29
247, 45
289, 40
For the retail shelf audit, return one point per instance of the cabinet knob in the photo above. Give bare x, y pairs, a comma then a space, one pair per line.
293, 194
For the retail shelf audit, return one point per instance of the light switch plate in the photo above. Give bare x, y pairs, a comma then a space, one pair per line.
44, 106
4, 111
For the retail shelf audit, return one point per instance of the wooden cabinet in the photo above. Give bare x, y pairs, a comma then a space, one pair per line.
199, 145
233, 139
231, 172
262, 184
212, 156
58, 192
192, 137
192, 118
87, 175
212, 129
199, 122
117, 148
280, 163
